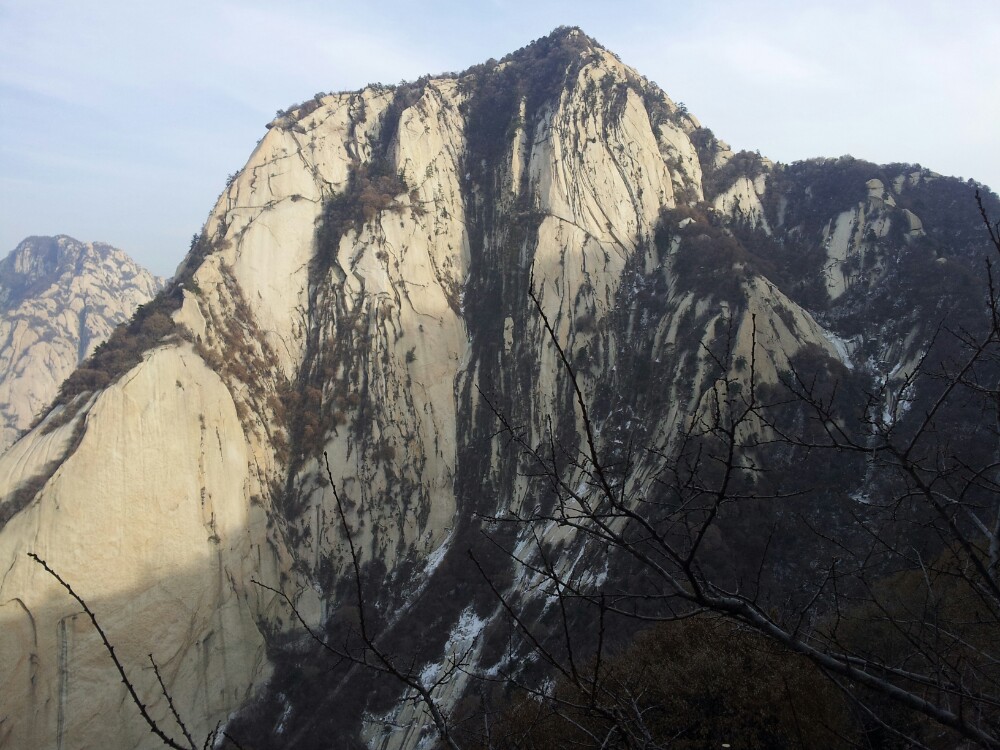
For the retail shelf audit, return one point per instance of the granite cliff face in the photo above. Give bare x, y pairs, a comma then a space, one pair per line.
358, 286
59, 299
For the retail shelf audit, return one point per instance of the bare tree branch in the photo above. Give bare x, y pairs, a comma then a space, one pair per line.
129, 686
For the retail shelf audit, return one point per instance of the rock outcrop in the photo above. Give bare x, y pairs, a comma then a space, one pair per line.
59, 300
358, 289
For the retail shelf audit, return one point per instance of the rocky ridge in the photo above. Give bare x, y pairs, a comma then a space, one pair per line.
358, 286
59, 300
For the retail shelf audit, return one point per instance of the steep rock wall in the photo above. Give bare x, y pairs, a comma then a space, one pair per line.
360, 287
148, 518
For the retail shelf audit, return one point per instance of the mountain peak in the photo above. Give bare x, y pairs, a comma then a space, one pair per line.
39, 261
563, 48
569, 38
385, 277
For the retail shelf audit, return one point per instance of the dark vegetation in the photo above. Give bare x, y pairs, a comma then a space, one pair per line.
123, 350
710, 260
26, 491
695, 683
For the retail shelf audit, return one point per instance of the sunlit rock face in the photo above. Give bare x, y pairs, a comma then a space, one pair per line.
59, 300
359, 287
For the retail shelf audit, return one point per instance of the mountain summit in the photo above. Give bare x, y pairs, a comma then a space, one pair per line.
361, 298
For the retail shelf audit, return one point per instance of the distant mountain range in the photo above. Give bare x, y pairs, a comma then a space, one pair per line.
59, 299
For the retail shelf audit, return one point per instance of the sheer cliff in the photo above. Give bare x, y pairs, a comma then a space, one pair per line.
363, 290
59, 299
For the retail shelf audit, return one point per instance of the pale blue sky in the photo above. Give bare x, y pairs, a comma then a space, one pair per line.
119, 120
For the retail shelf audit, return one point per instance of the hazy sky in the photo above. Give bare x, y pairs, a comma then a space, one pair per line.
120, 120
